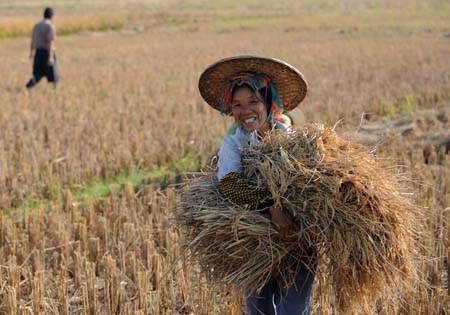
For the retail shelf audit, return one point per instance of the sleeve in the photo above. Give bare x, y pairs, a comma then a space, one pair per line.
229, 158
241, 192
50, 33
231, 184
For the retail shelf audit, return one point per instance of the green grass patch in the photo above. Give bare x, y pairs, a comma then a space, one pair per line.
405, 106
158, 176
371, 19
67, 26
153, 176
81, 16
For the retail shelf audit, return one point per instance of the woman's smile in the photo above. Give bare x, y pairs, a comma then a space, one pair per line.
249, 110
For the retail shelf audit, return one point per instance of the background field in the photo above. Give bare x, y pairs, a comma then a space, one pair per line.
86, 168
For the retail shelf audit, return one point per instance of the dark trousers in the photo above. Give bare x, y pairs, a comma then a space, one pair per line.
275, 300
42, 69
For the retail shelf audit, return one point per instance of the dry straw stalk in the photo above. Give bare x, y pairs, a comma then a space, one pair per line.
354, 221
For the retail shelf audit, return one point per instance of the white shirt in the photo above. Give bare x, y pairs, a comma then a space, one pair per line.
231, 149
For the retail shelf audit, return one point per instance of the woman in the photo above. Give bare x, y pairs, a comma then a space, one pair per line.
256, 91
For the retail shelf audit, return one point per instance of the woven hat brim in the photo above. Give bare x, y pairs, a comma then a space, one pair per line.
290, 83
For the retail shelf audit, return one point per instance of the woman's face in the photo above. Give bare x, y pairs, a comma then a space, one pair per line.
249, 111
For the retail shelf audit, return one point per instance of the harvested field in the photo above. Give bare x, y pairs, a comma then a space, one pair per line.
127, 117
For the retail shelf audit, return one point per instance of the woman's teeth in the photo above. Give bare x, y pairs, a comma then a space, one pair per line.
249, 120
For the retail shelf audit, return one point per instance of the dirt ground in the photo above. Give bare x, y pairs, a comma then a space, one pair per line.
426, 130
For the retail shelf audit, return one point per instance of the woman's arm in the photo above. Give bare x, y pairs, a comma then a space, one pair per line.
231, 184
283, 221
243, 193
240, 191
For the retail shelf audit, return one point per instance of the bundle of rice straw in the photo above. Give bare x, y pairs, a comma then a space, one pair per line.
349, 209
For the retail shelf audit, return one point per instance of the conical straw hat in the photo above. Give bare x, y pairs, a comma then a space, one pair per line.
288, 80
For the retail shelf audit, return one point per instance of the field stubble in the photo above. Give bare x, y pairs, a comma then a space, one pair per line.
126, 103
123, 100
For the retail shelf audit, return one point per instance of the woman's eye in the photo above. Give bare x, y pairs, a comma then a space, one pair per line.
236, 106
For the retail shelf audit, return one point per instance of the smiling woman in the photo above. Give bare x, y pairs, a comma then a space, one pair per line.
255, 91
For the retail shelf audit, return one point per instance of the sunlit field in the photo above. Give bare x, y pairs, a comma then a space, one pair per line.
87, 169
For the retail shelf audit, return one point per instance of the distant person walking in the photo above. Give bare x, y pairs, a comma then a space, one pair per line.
43, 50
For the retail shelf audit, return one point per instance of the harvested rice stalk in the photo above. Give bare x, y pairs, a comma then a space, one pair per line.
348, 207
233, 245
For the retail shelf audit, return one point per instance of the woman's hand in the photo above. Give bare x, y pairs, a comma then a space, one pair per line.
283, 222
